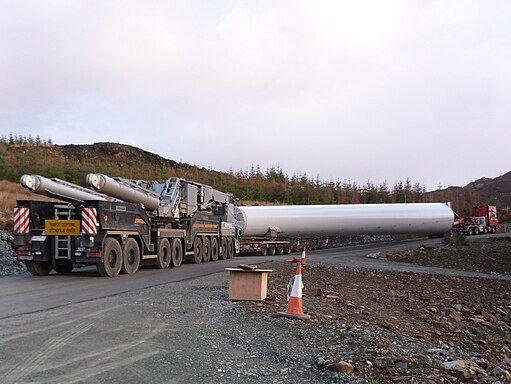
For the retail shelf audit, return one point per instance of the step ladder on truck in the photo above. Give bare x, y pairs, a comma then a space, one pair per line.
119, 225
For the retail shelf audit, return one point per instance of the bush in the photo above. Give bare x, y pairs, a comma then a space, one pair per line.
455, 238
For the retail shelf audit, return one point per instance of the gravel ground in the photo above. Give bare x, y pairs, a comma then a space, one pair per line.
185, 332
397, 327
400, 327
8, 263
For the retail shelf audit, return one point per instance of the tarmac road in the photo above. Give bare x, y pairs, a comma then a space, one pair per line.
24, 294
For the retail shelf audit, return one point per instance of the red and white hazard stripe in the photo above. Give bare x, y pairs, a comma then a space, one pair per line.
21, 220
89, 221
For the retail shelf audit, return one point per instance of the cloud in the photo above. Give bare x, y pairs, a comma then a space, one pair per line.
348, 90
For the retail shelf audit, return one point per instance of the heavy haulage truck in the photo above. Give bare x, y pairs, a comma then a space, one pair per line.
119, 224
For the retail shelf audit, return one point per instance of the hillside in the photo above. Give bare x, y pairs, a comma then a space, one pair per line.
73, 162
495, 191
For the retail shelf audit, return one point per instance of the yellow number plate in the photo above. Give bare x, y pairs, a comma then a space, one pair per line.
62, 227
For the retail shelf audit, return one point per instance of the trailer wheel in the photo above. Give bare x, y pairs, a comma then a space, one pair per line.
177, 253
206, 249
264, 249
214, 249
130, 256
223, 249
271, 250
287, 249
39, 268
164, 254
63, 266
230, 248
197, 250
112, 258
279, 249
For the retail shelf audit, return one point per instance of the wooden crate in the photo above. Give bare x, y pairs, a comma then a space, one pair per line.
246, 285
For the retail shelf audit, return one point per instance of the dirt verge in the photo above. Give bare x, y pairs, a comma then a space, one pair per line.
490, 256
399, 326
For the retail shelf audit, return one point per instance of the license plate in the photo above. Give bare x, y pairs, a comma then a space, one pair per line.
62, 227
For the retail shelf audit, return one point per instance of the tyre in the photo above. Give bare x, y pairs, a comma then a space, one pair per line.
197, 250
230, 248
206, 249
111, 264
279, 249
130, 256
287, 249
39, 268
271, 250
476, 231
264, 249
63, 266
164, 254
214, 249
177, 253
223, 249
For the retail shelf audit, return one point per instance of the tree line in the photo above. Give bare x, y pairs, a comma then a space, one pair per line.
15, 139
254, 185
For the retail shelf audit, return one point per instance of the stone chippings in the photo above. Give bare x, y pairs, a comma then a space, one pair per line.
9, 265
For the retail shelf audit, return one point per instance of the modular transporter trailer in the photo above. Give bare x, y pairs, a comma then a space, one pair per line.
165, 224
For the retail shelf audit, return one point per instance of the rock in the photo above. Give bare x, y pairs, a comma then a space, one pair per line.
319, 292
341, 367
453, 314
467, 368
458, 307
332, 297
436, 351
320, 362
499, 372
374, 255
481, 321
402, 366
456, 365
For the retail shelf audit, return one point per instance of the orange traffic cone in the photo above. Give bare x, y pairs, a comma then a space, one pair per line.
294, 300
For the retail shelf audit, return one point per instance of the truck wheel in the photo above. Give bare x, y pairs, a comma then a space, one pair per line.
130, 256
164, 254
197, 250
271, 250
214, 249
230, 248
264, 249
287, 249
206, 249
63, 266
39, 268
112, 258
177, 253
223, 249
280, 249
476, 231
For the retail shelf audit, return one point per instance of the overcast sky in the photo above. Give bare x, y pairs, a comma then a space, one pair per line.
352, 90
